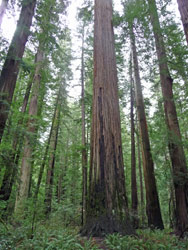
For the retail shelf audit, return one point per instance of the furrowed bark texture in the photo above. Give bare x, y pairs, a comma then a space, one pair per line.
174, 136
107, 197
183, 8
10, 69
152, 200
31, 129
84, 153
141, 180
134, 196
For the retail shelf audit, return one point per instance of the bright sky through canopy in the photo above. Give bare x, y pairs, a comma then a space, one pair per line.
9, 25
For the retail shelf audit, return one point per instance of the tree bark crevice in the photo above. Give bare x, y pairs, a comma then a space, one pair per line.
107, 208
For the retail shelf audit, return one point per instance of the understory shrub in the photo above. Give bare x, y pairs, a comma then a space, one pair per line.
146, 240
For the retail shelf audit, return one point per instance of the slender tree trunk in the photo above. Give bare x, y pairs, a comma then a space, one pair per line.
31, 173
11, 166
26, 97
107, 198
152, 200
3, 8
61, 185
84, 153
183, 8
172, 205
31, 128
51, 164
60, 181
41, 171
174, 136
141, 181
10, 69
134, 196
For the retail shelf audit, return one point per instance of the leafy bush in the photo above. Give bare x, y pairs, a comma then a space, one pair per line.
52, 240
146, 240
54, 234
48, 236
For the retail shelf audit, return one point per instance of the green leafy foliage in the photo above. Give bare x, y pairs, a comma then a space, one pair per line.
146, 240
61, 230
50, 234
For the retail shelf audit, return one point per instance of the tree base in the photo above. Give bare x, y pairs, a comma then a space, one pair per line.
101, 226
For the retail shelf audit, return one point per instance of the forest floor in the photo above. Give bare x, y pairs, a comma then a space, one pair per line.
59, 232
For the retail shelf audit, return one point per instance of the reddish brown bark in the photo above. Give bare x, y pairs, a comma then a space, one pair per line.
174, 136
107, 198
10, 69
183, 8
152, 200
84, 153
134, 196
141, 181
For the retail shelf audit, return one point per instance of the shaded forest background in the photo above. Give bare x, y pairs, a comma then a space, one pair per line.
46, 136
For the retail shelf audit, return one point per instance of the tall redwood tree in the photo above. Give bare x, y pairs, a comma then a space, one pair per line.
134, 194
10, 68
84, 152
107, 202
152, 200
174, 135
26, 164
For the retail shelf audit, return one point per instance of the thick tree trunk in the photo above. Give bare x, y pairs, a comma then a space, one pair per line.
52, 149
174, 136
84, 153
3, 8
10, 69
107, 204
183, 8
152, 200
31, 128
134, 196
